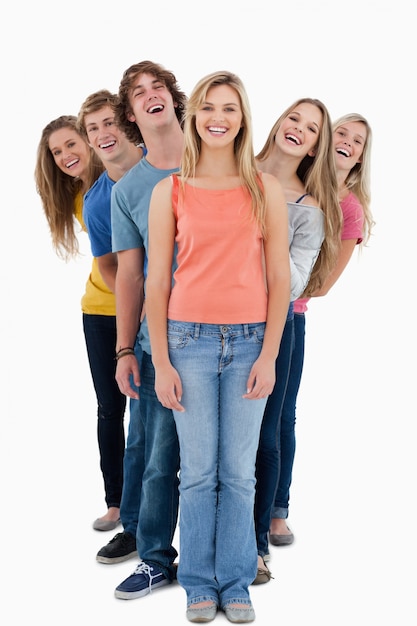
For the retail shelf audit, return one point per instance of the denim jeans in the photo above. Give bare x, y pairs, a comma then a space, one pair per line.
158, 511
287, 431
219, 435
100, 339
134, 460
268, 457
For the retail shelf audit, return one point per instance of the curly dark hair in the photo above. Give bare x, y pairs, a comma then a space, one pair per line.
123, 109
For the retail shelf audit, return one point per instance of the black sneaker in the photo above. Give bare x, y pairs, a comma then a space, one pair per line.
121, 548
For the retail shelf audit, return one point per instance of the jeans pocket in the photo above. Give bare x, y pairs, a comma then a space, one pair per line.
257, 333
177, 336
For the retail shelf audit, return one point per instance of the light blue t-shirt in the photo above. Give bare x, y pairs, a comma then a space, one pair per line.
130, 198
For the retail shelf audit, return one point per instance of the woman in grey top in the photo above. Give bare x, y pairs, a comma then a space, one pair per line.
298, 151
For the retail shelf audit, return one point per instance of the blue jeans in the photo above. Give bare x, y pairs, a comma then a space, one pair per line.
158, 511
287, 433
218, 434
100, 339
134, 461
268, 457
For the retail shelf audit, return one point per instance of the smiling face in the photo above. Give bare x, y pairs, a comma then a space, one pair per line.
219, 118
70, 152
349, 141
151, 102
299, 131
104, 136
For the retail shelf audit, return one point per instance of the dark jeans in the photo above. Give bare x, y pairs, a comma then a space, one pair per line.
268, 456
100, 339
159, 495
287, 436
149, 507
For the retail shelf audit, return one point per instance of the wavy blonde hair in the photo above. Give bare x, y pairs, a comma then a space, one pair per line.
243, 147
318, 175
358, 180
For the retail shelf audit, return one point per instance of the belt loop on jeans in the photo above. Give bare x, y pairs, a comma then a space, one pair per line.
196, 331
246, 330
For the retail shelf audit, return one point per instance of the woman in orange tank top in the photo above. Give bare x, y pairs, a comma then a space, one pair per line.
215, 331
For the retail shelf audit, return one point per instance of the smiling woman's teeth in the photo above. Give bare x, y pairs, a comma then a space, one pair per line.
293, 138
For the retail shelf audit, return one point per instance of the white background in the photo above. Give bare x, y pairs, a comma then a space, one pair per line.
352, 507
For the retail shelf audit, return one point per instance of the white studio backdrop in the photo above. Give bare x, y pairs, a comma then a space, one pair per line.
355, 463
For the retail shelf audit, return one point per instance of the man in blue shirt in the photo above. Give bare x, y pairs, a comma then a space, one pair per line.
150, 111
118, 154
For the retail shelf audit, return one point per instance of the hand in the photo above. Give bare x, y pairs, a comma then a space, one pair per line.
127, 369
168, 388
261, 379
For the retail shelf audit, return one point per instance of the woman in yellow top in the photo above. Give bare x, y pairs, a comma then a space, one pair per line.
66, 167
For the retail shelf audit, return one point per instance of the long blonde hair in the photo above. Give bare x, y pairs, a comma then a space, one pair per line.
58, 190
358, 180
243, 147
318, 175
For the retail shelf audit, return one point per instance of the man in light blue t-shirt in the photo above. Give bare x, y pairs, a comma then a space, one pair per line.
150, 111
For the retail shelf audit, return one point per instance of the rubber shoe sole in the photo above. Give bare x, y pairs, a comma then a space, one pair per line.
132, 595
117, 559
121, 548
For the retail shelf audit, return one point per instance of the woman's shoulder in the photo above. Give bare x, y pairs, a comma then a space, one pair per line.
350, 201
167, 183
305, 199
269, 181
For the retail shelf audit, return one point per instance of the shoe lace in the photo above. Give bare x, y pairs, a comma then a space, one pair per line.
145, 569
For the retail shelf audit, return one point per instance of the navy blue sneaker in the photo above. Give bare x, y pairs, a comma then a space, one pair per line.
144, 579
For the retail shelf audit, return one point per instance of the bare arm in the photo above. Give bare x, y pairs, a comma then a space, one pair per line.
277, 269
158, 288
129, 300
346, 251
107, 265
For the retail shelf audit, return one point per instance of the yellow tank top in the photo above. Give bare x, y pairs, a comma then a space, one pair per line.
97, 299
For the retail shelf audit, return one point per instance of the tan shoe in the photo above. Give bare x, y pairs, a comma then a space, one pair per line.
263, 575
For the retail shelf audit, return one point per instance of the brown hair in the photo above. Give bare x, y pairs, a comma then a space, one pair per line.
123, 109
58, 190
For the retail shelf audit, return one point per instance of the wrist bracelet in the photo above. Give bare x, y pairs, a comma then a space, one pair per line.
124, 352
122, 349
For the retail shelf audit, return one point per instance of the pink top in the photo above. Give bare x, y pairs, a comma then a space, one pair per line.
353, 220
219, 278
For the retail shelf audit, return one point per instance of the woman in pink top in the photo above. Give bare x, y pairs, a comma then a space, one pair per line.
215, 336
352, 139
